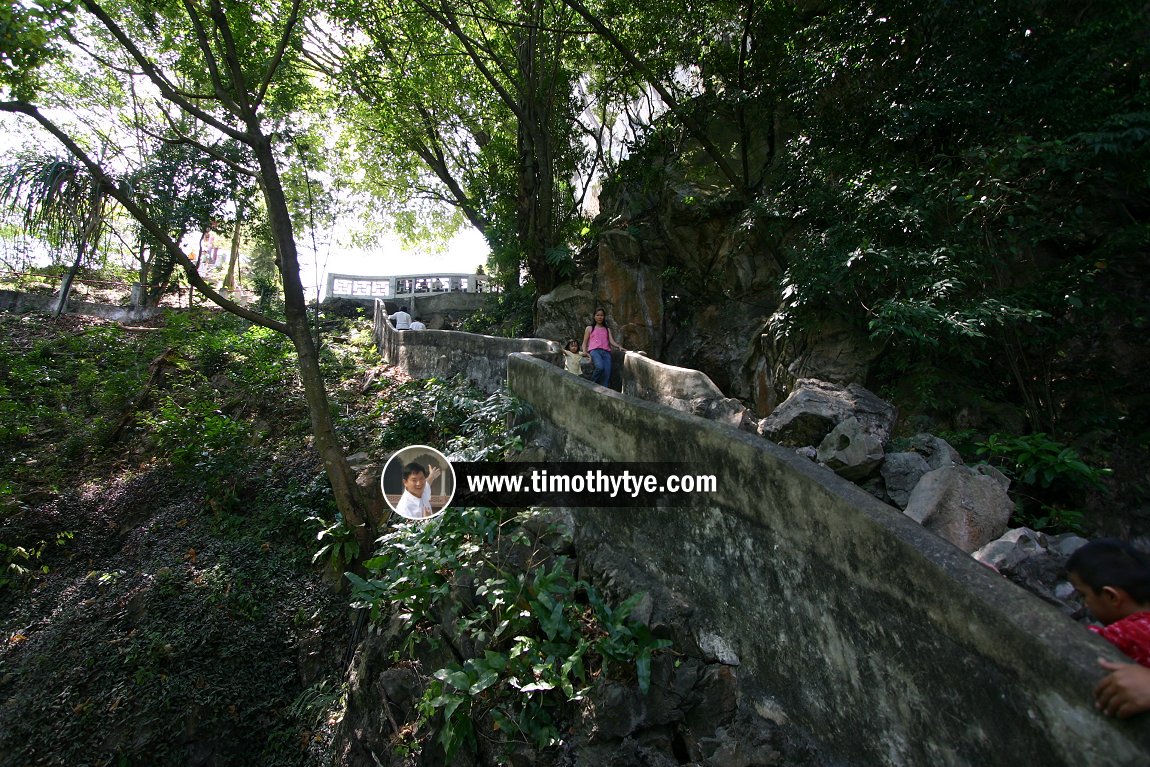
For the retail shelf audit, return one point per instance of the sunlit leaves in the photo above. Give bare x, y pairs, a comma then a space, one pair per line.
29, 41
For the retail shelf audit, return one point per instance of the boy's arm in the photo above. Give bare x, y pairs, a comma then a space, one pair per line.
432, 475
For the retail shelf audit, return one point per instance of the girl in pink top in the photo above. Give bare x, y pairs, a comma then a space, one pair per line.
598, 342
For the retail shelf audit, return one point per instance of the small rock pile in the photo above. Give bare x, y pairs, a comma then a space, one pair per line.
847, 429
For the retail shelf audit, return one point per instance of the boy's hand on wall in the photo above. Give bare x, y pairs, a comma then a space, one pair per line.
1125, 691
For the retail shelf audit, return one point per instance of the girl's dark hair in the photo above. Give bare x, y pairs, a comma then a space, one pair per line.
597, 310
1111, 562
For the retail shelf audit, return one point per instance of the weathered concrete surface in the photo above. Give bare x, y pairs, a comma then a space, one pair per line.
18, 302
428, 306
445, 353
683, 389
893, 646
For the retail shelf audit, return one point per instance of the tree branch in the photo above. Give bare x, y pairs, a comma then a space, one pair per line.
697, 131
281, 49
205, 45
138, 213
149, 69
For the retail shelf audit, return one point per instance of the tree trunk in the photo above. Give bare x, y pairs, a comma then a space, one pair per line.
234, 256
536, 208
88, 238
349, 500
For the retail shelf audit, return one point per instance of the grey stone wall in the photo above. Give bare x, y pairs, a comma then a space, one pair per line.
446, 353
18, 302
890, 645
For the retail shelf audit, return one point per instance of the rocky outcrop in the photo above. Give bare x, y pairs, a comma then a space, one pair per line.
692, 278
632, 287
1037, 562
683, 389
564, 313
900, 473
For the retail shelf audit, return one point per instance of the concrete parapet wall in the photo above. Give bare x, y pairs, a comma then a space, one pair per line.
675, 387
17, 302
889, 644
446, 353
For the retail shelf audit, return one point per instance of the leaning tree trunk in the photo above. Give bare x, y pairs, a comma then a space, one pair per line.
88, 237
234, 256
353, 505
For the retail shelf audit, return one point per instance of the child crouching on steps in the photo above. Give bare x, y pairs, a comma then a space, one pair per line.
1113, 578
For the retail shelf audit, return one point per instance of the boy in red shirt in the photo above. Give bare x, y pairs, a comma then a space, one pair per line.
1113, 578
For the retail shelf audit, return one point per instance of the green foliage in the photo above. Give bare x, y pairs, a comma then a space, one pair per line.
492, 430
507, 314
1039, 461
341, 548
451, 413
974, 222
197, 437
540, 634
209, 613
29, 35
18, 564
61, 393
1049, 472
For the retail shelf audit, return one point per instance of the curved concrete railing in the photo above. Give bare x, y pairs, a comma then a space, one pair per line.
446, 353
891, 645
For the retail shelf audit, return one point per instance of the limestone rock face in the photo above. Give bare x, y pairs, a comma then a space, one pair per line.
632, 289
816, 407
965, 507
564, 313
687, 279
688, 276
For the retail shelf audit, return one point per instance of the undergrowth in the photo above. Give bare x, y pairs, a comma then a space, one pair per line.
537, 637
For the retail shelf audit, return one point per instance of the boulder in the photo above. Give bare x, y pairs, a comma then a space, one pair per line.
1009, 550
564, 313
936, 450
987, 470
813, 410
900, 473
683, 389
959, 504
1037, 563
850, 451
